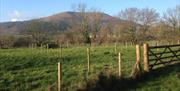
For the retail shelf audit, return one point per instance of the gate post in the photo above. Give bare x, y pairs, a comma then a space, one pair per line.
137, 68
146, 58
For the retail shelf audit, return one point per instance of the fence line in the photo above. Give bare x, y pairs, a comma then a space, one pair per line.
136, 69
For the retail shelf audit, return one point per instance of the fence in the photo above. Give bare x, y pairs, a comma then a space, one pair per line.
160, 55
109, 59
79, 63
153, 56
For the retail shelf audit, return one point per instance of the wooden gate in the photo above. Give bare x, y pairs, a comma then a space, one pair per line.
160, 55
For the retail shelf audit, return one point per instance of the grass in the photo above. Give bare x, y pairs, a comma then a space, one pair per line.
36, 69
160, 79
26, 69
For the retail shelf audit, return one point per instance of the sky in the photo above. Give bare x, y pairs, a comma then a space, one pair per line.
20, 10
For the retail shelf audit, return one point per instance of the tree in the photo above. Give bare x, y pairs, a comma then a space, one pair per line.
148, 17
96, 24
84, 24
131, 15
22, 41
172, 18
106, 33
6, 41
38, 31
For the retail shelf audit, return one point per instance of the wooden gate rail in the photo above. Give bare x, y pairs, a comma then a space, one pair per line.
167, 53
163, 46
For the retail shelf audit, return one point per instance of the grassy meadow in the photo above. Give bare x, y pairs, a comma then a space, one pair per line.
35, 69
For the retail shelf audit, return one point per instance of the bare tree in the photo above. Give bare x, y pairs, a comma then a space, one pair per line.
131, 15
38, 31
96, 24
148, 17
172, 18
106, 33
6, 41
84, 24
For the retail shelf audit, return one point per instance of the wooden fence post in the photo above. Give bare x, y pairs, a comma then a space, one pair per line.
41, 45
126, 44
67, 44
88, 59
35, 45
61, 52
168, 43
178, 42
119, 65
146, 62
59, 77
137, 69
131, 43
47, 46
49, 88
32, 45
157, 44
138, 54
115, 48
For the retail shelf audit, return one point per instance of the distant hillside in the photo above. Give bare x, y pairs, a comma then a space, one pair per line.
63, 20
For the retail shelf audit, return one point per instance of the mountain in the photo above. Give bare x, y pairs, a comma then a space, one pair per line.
63, 20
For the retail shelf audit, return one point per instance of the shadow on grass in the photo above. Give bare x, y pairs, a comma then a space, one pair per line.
114, 83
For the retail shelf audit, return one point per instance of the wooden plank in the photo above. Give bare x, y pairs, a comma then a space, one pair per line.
163, 63
157, 57
174, 53
163, 46
164, 57
159, 53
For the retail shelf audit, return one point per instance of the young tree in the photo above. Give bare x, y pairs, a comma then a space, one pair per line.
96, 24
84, 24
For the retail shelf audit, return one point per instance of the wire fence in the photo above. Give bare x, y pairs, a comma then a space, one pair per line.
36, 68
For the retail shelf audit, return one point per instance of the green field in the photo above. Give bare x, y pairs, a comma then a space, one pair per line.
35, 69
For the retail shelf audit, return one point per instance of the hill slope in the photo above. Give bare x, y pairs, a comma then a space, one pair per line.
63, 20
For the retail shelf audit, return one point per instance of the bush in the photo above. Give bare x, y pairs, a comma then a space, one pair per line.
24, 41
53, 45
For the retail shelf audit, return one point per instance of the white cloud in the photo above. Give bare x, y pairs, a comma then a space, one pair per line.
14, 19
17, 15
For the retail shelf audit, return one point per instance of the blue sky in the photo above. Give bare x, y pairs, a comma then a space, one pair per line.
18, 10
